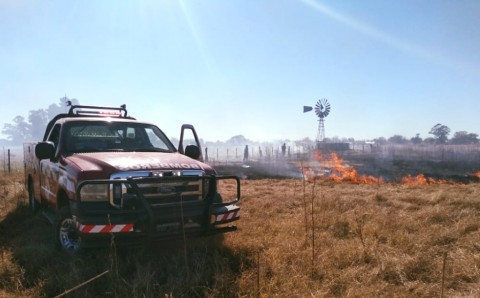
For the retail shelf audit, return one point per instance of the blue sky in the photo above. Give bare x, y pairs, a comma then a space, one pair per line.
247, 67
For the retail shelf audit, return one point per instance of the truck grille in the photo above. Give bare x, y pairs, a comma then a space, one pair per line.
167, 192
170, 186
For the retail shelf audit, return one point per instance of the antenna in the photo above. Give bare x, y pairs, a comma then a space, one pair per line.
67, 101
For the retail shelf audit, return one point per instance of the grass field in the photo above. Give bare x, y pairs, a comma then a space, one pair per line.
295, 239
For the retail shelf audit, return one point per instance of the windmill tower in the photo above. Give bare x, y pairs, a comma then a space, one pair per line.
322, 109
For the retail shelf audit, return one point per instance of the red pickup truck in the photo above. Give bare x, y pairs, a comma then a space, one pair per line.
104, 173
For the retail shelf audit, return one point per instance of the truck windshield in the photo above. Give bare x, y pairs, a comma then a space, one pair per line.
103, 136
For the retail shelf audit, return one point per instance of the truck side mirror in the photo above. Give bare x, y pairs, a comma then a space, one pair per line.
192, 151
45, 150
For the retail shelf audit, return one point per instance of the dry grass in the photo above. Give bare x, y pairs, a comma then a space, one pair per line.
380, 240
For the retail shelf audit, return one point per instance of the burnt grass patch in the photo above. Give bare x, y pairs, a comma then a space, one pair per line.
394, 169
389, 169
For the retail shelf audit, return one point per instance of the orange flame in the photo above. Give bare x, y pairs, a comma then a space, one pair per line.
421, 180
308, 174
337, 171
334, 169
417, 180
342, 172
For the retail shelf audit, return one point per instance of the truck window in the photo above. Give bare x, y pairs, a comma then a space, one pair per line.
101, 136
55, 135
155, 140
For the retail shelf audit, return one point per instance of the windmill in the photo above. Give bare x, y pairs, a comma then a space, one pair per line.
322, 109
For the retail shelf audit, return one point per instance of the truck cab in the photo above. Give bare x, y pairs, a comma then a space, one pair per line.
104, 173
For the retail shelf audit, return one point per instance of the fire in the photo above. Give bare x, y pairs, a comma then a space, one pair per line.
417, 180
477, 174
342, 172
334, 169
421, 180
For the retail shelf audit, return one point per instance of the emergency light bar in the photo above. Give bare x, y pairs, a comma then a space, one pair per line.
120, 112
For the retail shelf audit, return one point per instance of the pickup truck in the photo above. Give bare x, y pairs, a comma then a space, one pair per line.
104, 174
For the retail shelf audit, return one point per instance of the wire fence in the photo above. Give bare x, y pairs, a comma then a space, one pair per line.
238, 154
12, 157
444, 153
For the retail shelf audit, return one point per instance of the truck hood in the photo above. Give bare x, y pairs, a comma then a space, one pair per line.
136, 161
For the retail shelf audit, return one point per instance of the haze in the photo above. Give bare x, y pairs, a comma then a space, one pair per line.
248, 67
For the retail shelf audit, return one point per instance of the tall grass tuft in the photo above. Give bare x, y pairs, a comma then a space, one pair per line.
376, 241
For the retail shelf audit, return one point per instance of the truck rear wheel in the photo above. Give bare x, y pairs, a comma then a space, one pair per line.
67, 236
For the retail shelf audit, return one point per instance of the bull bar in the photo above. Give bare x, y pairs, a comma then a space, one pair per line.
139, 218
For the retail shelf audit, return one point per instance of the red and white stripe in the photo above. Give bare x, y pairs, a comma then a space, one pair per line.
228, 216
95, 229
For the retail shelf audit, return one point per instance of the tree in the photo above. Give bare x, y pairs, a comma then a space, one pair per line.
397, 139
416, 139
37, 122
380, 141
464, 138
305, 143
238, 140
441, 133
21, 131
18, 132
61, 107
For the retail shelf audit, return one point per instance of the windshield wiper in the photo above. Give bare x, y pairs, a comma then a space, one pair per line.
151, 150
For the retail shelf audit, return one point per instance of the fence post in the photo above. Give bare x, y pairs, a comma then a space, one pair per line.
9, 167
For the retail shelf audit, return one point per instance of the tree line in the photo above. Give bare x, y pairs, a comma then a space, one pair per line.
33, 127
440, 135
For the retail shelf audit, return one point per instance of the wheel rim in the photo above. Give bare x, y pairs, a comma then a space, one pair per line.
69, 236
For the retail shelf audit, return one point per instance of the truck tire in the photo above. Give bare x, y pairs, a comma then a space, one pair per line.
33, 205
67, 237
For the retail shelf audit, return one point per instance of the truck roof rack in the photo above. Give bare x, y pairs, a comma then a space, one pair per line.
120, 112
89, 111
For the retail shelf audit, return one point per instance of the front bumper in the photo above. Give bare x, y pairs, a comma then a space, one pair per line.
143, 219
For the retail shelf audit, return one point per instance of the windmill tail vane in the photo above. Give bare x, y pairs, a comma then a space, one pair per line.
307, 109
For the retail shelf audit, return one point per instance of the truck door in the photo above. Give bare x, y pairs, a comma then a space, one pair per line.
49, 169
189, 143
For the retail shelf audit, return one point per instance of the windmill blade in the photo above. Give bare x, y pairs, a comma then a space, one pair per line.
307, 109
322, 108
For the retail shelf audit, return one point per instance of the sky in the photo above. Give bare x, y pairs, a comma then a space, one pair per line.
247, 67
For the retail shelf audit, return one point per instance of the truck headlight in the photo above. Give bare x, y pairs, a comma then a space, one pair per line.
94, 193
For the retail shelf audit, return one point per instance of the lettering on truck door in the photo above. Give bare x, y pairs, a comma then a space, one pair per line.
49, 180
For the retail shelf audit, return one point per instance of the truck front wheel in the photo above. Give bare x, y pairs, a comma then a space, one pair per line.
67, 237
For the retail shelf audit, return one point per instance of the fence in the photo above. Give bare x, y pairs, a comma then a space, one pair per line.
446, 153
266, 153
12, 159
